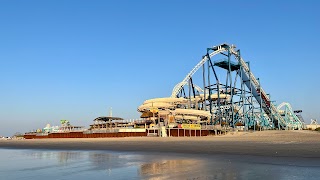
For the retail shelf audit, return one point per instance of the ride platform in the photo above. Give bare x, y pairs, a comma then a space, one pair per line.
225, 65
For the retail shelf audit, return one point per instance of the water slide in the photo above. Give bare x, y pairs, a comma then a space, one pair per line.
170, 106
171, 102
165, 103
192, 112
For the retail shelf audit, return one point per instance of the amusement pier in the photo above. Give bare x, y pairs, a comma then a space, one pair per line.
220, 94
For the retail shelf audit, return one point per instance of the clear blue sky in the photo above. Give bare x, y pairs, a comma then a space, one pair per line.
75, 59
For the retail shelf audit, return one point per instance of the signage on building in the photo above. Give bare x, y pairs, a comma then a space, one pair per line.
191, 126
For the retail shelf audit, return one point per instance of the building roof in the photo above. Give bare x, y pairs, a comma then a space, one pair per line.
147, 114
107, 118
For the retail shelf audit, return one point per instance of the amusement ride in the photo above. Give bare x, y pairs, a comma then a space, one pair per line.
236, 99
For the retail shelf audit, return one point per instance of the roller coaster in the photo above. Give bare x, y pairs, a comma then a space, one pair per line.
236, 99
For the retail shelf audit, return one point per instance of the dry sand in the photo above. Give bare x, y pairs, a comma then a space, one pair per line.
304, 144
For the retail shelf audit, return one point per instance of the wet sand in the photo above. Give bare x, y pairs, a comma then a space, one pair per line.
304, 144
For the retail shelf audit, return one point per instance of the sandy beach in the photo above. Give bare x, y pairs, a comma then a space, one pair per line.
304, 144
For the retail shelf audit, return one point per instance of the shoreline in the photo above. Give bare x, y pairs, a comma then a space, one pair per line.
273, 143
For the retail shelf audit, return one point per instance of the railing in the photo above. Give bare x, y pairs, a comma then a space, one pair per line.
112, 130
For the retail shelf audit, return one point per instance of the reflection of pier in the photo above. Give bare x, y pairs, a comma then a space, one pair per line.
168, 167
63, 157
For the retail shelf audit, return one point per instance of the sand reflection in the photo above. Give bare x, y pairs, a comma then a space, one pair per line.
164, 169
62, 156
157, 167
151, 166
